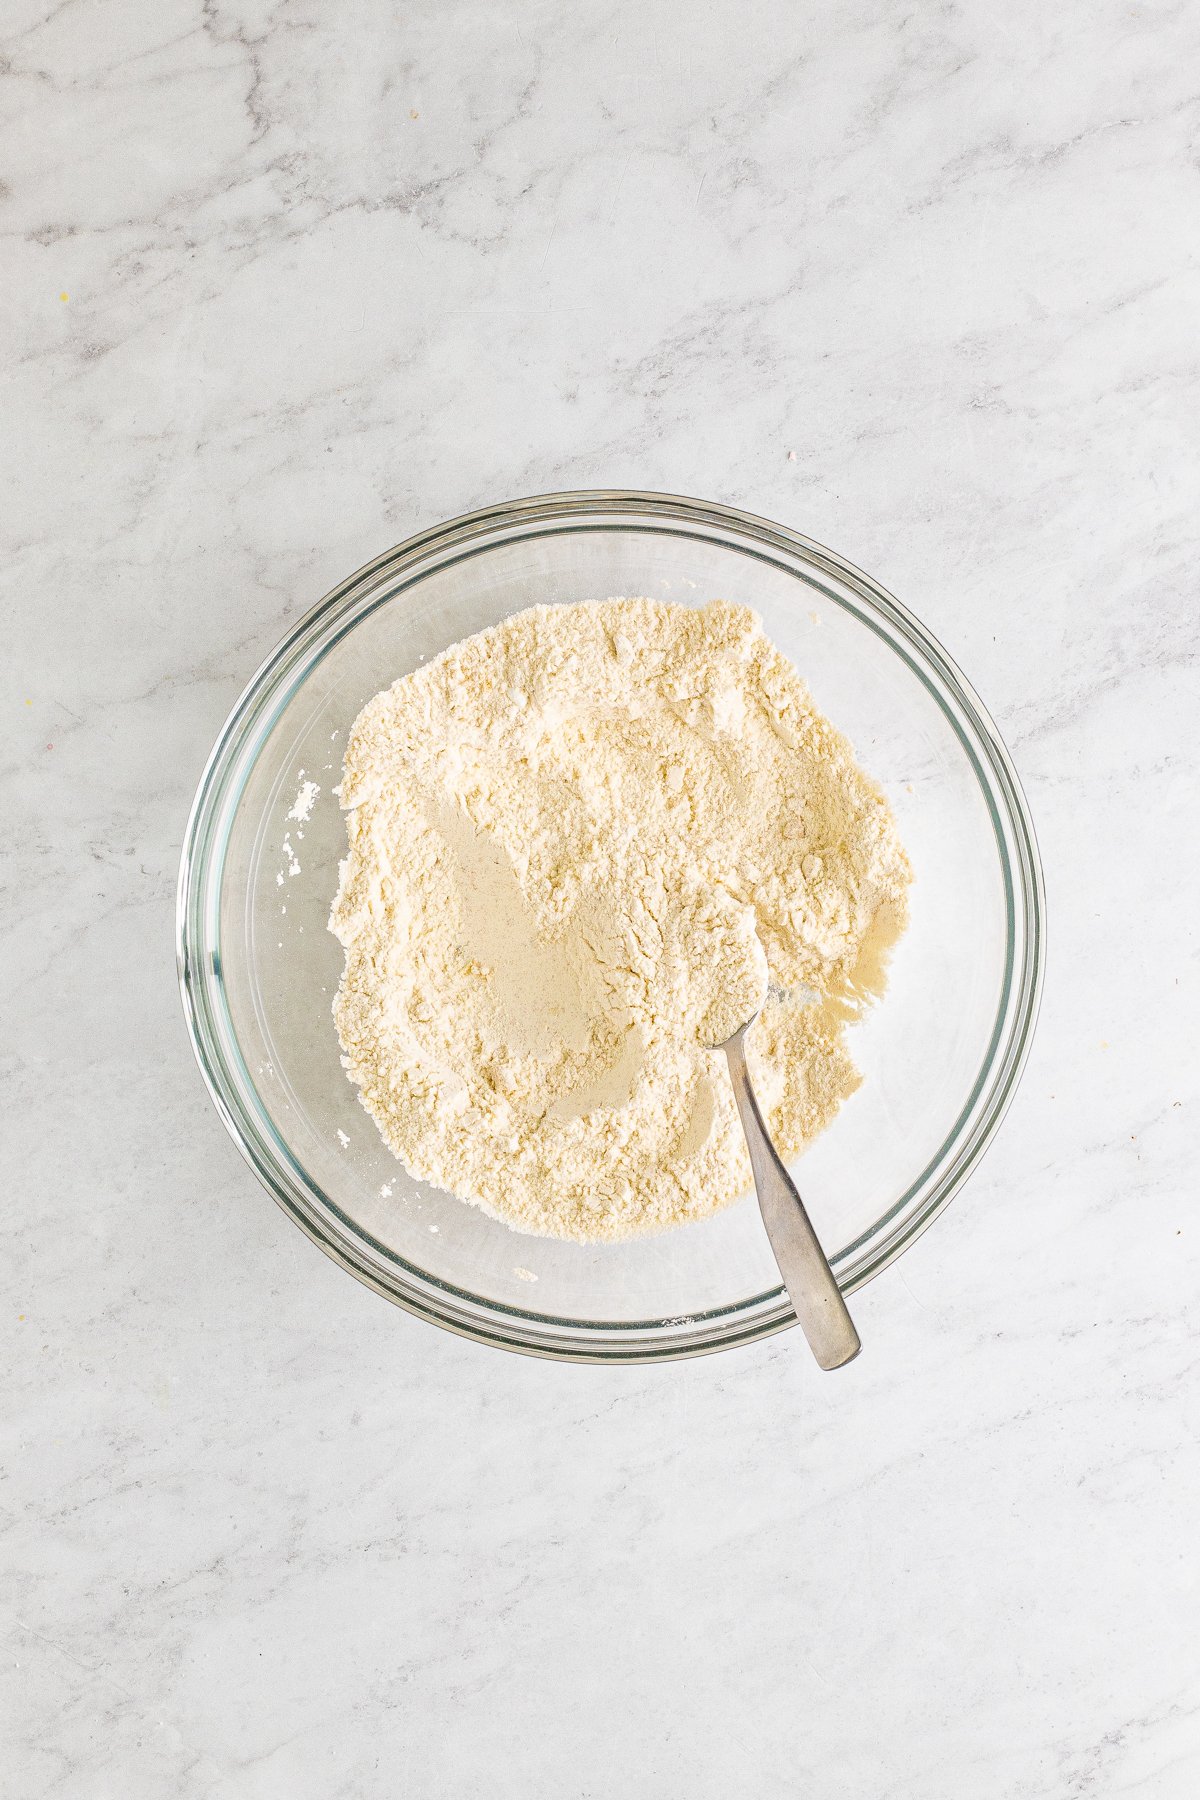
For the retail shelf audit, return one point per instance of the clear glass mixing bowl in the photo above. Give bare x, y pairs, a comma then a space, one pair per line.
941, 1054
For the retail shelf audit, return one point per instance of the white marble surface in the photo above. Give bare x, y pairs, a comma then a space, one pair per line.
285, 282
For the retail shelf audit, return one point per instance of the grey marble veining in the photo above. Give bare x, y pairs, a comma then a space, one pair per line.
286, 282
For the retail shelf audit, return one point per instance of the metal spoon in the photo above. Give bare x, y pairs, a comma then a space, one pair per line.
810, 1282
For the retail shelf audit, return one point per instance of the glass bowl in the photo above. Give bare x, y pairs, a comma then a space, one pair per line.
941, 1055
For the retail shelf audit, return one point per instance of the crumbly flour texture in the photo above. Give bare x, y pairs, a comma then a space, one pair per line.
584, 846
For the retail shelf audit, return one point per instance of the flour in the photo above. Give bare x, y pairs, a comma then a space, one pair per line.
581, 844
304, 802
300, 812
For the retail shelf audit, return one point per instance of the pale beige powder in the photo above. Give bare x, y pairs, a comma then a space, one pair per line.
579, 842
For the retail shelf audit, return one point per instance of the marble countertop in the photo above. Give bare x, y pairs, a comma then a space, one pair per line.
284, 283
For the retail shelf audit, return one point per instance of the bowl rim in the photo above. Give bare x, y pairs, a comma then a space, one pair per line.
198, 952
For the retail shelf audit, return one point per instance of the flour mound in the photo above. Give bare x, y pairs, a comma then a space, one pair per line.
579, 843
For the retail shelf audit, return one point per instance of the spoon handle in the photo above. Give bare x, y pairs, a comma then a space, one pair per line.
811, 1284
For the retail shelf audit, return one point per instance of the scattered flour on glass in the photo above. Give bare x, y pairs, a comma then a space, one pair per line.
525, 1274
343, 1140
300, 812
386, 1190
584, 846
305, 800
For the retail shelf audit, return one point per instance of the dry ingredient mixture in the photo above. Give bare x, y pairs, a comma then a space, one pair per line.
581, 845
